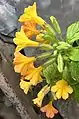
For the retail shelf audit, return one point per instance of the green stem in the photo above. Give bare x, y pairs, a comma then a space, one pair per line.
48, 62
51, 97
60, 36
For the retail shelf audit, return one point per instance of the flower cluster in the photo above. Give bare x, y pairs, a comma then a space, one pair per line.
59, 55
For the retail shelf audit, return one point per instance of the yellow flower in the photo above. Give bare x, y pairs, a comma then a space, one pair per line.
29, 28
31, 14
25, 86
34, 75
62, 89
49, 110
40, 96
38, 100
22, 41
22, 63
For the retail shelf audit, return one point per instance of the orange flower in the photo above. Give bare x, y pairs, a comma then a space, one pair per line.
29, 28
49, 110
22, 63
34, 75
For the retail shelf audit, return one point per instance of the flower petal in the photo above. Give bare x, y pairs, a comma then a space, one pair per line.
18, 67
54, 88
38, 101
44, 91
23, 63
35, 79
25, 86
65, 94
49, 114
70, 89
59, 93
44, 109
34, 75
31, 14
49, 109
22, 41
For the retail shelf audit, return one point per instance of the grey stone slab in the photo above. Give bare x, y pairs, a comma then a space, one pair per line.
10, 86
66, 12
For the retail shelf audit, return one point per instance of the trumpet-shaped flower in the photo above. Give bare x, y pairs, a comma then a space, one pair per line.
22, 41
34, 75
62, 89
31, 14
40, 96
38, 100
22, 63
29, 28
25, 86
49, 110
44, 91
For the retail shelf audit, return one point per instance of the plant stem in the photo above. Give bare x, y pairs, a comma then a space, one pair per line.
48, 62
60, 36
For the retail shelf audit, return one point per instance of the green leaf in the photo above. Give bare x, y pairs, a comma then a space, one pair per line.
76, 92
74, 84
60, 62
74, 70
50, 73
65, 73
75, 37
74, 54
73, 32
55, 24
